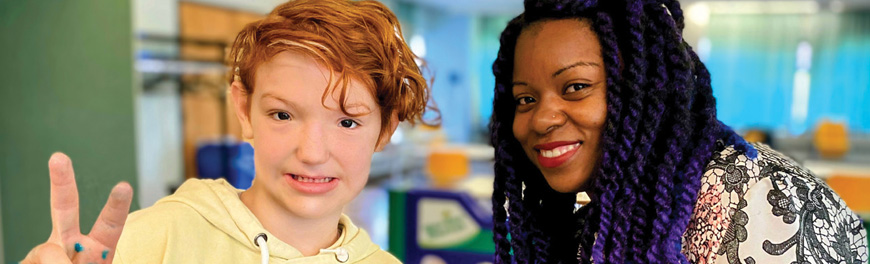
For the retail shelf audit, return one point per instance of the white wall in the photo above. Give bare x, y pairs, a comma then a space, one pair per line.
158, 108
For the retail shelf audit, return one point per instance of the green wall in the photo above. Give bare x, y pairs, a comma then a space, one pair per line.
66, 84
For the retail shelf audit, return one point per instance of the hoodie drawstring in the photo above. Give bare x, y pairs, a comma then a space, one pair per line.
260, 241
340, 254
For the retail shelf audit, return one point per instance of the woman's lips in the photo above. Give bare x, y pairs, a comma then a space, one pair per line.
311, 184
554, 154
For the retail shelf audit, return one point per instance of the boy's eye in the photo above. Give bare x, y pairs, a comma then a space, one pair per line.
575, 87
348, 123
525, 100
281, 116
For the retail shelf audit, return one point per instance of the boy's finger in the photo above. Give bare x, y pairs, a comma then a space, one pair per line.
109, 224
46, 253
64, 196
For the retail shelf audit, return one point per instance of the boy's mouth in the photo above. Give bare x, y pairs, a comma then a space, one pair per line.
312, 179
311, 184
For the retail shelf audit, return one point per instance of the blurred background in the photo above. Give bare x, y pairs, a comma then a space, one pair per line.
135, 91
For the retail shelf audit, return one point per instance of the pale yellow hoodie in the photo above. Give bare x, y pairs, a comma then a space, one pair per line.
205, 222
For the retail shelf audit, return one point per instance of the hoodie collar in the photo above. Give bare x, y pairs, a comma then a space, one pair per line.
232, 217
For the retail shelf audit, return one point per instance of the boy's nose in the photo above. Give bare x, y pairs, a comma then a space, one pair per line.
312, 145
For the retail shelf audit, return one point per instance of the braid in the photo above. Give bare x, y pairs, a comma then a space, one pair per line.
682, 127
516, 219
606, 184
532, 197
633, 156
501, 131
701, 154
586, 220
640, 227
502, 245
673, 7
541, 244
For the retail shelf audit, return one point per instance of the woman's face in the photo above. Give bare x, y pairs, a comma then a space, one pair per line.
559, 85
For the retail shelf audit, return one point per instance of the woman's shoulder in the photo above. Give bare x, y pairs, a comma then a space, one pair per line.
758, 208
735, 171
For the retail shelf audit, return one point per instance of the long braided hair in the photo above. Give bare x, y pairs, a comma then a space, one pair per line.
660, 132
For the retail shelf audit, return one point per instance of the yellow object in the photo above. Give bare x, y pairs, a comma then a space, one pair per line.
206, 222
755, 136
853, 189
446, 167
831, 140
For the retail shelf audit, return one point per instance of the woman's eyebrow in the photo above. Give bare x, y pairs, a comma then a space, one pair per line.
576, 64
519, 83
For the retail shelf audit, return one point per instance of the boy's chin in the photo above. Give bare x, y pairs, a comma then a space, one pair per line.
307, 209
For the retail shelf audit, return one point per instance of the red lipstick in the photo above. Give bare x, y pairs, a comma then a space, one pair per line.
554, 154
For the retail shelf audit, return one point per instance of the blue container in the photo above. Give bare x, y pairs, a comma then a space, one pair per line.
231, 160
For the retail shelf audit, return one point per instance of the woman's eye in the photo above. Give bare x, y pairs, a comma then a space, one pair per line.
575, 87
281, 116
348, 123
525, 100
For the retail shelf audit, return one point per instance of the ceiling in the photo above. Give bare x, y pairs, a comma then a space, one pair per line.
459, 6
510, 7
255, 6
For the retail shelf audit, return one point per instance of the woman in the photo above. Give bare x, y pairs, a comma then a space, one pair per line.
606, 97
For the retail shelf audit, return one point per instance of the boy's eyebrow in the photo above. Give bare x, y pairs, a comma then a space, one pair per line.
366, 108
275, 97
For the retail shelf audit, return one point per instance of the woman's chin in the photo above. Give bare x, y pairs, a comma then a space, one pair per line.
566, 183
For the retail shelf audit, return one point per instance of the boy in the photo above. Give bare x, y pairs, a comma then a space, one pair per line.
318, 87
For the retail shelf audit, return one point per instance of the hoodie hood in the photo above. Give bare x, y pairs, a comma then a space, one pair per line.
218, 202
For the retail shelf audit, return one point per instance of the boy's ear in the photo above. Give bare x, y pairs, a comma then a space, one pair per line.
385, 139
242, 104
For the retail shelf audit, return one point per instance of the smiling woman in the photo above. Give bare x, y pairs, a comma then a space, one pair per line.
567, 92
605, 97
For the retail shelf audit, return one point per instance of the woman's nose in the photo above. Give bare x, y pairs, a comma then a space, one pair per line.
550, 116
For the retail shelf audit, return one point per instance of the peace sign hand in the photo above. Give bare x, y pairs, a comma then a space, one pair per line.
67, 244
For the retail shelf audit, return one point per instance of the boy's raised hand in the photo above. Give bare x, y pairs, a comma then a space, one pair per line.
67, 244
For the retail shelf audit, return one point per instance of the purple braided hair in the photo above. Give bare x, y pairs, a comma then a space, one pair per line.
635, 81
655, 109
607, 184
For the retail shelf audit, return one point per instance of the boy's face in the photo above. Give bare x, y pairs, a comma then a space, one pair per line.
311, 158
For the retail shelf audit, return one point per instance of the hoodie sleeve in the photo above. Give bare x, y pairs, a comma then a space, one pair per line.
160, 234
143, 239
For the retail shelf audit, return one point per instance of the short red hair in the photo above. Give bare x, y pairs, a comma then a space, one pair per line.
361, 40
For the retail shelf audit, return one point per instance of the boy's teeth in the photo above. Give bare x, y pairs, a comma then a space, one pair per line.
306, 179
552, 153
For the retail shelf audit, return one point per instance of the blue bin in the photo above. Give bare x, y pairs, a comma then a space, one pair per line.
231, 160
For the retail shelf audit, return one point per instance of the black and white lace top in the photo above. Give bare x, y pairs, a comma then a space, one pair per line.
769, 209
